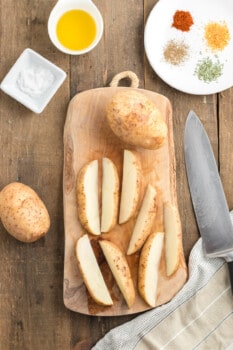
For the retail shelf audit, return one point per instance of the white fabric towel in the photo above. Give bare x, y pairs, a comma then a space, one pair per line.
199, 317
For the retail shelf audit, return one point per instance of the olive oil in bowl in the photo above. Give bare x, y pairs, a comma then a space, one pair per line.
76, 30
75, 27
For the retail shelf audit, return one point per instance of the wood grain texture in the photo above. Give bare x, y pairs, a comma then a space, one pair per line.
32, 313
206, 108
31, 305
87, 136
226, 143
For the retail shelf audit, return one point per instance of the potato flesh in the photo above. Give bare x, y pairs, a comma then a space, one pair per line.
92, 200
149, 266
91, 273
131, 184
110, 195
120, 270
88, 197
144, 221
143, 225
172, 232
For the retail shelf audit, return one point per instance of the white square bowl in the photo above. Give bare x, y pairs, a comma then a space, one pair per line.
30, 59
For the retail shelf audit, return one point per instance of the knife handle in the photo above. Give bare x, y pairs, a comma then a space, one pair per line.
230, 268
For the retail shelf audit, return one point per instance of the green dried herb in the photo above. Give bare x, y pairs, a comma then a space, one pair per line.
207, 70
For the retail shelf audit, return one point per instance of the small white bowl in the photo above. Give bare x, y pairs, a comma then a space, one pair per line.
61, 7
30, 61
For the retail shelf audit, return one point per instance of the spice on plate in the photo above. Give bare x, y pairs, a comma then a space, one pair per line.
182, 20
175, 52
207, 70
217, 35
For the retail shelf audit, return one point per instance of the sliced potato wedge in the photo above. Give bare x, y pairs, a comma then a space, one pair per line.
144, 221
88, 197
120, 270
173, 237
131, 185
110, 195
90, 271
149, 266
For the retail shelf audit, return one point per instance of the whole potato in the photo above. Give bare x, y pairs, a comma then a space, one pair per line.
22, 212
136, 120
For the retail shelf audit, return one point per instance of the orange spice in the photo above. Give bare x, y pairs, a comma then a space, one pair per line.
217, 35
182, 20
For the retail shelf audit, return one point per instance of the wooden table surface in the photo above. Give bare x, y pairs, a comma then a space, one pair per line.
32, 313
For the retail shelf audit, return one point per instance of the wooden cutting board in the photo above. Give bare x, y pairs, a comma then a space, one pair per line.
87, 136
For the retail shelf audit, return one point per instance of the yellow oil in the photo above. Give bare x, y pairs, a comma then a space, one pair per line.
76, 30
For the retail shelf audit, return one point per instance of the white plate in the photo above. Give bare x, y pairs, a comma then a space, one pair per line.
159, 31
30, 59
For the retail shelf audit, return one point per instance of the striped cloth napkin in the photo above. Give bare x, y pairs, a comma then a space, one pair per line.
199, 317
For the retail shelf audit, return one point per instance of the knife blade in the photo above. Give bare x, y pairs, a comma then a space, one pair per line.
207, 194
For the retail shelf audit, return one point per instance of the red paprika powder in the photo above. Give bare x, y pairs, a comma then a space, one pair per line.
182, 20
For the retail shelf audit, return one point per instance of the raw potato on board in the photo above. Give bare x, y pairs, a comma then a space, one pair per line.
110, 195
173, 237
90, 271
131, 185
144, 221
120, 270
88, 197
23, 213
136, 120
148, 270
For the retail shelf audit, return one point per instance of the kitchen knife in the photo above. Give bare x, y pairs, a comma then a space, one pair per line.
209, 202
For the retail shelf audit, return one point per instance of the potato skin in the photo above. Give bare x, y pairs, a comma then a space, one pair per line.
150, 256
22, 212
136, 120
173, 237
120, 270
144, 221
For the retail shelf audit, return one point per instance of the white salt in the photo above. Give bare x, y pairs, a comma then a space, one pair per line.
35, 80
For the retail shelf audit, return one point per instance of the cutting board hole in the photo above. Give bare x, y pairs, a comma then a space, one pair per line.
126, 78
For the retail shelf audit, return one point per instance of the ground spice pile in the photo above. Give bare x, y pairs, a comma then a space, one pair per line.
217, 35
182, 20
175, 52
208, 71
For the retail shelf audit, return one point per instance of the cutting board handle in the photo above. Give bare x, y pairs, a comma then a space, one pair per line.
134, 81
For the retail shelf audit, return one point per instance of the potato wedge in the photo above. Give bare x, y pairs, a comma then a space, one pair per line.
144, 221
90, 271
173, 237
131, 185
88, 197
120, 270
149, 266
110, 195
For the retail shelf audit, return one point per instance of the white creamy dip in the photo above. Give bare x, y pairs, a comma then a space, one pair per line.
35, 80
